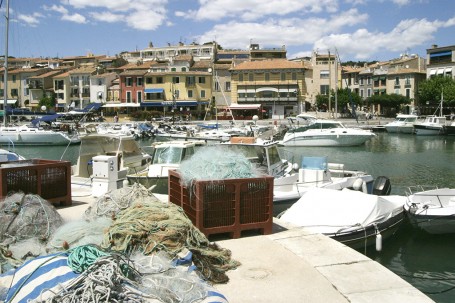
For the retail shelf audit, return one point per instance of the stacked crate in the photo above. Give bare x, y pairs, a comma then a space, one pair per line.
49, 179
225, 206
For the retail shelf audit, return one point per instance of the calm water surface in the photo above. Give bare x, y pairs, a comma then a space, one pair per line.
423, 260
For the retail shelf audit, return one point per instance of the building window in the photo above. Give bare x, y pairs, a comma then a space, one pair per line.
190, 80
368, 81
175, 80
228, 86
217, 86
408, 93
201, 80
294, 76
369, 92
202, 93
14, 92
240, 77
183, 69
129, 81
324, 74
173, 69
190, 93
139, 97
325, 90
149, 80
250, 77
267, 76
397, 80
283, 76
140, 81
14, 78
361, 93
159, 80
361, 81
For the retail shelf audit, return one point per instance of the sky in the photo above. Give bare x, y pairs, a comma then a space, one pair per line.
358, 30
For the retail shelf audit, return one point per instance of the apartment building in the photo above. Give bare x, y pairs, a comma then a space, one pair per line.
278, 86
441, 61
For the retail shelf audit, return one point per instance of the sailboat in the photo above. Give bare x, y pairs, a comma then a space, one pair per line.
432, 125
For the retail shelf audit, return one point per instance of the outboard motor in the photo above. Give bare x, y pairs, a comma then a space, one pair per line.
382, 186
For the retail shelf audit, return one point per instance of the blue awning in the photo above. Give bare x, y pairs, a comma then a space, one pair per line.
447, 53
151, 104
154, 90
186, 103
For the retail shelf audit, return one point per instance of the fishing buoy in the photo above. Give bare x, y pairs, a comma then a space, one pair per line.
378, 242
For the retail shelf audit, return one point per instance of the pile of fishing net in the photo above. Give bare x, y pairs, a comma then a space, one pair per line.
90, 274
216, 163
128, 247
26, 223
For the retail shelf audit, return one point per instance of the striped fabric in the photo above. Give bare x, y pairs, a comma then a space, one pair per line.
40, 278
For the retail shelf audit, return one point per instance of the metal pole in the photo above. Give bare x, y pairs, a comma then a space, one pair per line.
5, 79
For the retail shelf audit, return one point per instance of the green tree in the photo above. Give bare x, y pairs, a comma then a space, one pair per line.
391, 103
429, 92
48, 100
346, 99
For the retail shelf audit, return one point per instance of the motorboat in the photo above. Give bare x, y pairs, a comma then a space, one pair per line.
432, 210
128, 155
432, 125
320, 132
165, 156
291, 180
403, 123
354, 218
25, 135
7, 155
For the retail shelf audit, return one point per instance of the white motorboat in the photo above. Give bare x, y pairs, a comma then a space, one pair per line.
130, 156
8, 155
432, 125
166, 155
290, 180
432, 210
25, 135
351, 217
403, 123
319, 132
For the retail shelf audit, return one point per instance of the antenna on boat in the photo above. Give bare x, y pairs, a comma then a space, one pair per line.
5, 85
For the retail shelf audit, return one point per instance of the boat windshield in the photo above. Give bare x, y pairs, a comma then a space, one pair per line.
318, 125
167, 155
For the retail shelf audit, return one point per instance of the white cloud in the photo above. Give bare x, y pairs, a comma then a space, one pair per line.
249, 10
56, 8
31, 20
291, 31
77, 18
106, 17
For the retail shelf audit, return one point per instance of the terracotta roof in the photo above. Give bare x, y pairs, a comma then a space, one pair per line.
202, 64
83, 70
183, 58
144, 65
64, 75
222, 66
48, 74
392, 71
132, 72
268, 64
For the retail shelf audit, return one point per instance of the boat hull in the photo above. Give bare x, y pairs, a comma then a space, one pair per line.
32, 138
363, 237
327, 139
428, 130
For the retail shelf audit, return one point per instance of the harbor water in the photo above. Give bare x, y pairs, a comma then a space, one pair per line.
421, 259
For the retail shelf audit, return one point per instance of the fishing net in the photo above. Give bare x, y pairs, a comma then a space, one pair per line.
216, 163
114, 201
152, 226
112, 277
27, 216
77, 233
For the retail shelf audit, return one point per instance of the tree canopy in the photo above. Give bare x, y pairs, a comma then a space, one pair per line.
431, 90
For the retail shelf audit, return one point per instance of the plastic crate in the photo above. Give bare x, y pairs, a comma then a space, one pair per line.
49, 179
225, 206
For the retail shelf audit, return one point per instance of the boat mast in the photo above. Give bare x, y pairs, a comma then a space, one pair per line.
5, 79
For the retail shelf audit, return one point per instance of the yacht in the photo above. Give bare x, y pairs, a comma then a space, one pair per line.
403, 123
433, 125
319, 132
25, 135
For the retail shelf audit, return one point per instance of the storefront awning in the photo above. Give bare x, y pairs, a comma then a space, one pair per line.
244, 106
440, 71
153, 90
121, 105
433, 72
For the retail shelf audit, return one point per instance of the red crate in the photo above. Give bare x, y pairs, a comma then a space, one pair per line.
225, 206
49, 179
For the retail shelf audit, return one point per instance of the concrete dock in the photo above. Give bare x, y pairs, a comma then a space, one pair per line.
292, 265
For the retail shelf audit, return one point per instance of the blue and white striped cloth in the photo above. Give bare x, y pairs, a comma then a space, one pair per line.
41, 278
